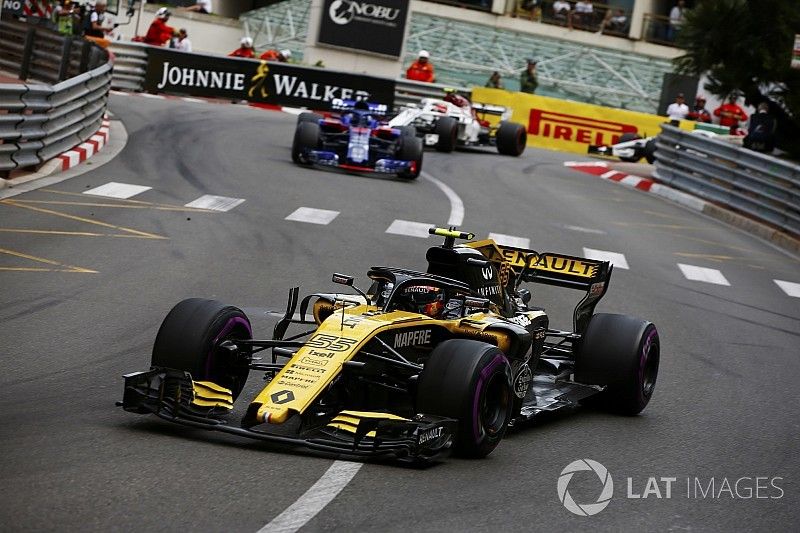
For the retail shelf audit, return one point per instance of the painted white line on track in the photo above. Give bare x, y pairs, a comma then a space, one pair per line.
706, 275
117, 190
790, 288
510, 240
193, 100
156, 96
456, 205
314, 499
293, 110
585, 230
215, 203
313, 216
616, 259
410, 229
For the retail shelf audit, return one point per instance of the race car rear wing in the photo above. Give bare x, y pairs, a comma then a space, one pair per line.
555, 269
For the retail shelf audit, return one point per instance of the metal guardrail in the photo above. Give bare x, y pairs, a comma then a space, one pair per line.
39, 121
130, 65
756, 184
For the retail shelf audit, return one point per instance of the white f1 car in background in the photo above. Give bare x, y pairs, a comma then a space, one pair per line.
456, 121
630, 148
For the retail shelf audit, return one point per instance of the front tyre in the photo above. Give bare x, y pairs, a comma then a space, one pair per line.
447, 130
306, 137
511, 139
471, 382
411, 150
190, 336
622, 353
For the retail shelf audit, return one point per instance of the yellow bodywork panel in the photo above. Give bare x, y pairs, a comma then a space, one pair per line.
315, 365
208, 394
549, 262
349, 420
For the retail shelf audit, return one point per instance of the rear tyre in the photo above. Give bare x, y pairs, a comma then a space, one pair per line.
622, 353
411, 150
189, 340
650, 151
471, 382
511, 139
638, 152
309, 117
447, 130
306, 137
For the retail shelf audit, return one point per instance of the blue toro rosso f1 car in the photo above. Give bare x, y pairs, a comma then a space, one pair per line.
356, 137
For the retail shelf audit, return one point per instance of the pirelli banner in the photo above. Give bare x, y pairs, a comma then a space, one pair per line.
571, 126
264, 82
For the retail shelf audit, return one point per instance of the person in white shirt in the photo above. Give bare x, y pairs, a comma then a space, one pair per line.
182, 41
678, 109
583, 13
561, 10
676, 17
201, 6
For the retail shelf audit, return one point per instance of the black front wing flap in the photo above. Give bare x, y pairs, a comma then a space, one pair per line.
169, 395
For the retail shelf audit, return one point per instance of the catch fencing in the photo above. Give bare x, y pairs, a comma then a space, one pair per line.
60, 103
758, 185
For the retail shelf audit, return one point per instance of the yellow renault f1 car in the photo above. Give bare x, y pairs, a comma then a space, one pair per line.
420, 364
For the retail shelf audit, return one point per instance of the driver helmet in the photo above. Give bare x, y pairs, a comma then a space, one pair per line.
247, 42
454, 98
163, 13
286, 53
424, 299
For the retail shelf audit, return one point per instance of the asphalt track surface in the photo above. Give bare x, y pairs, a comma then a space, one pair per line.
725, 406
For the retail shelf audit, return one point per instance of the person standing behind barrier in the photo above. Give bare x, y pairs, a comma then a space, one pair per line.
494, 81
422, 68
528, 82
699, 111
94, 26
761, 131
676, 17
64, 15
678, 110
245, 50
159, 33
182, 42
730, 114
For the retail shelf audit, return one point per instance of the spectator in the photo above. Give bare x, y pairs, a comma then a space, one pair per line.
676, 18
494, 81
699, 111
275, 55
527, 80
678, 110
159, 33
562, 12
422, 68
94, 25
583, 14
761, 132
201, 6
730, 114
182, 41
64, 14
245, 49
614, 21
533, 7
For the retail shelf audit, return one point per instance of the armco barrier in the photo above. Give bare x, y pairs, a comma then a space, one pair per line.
37, 120
761, 186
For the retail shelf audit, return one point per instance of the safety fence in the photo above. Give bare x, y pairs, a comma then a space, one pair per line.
45, 116
752, 183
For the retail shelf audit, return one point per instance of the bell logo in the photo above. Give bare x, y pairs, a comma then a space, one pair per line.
585, 509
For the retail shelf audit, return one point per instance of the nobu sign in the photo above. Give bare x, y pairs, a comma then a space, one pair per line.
372, 25
258, 81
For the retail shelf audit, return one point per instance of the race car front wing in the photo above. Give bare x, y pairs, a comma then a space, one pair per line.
382, 166
173, 396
